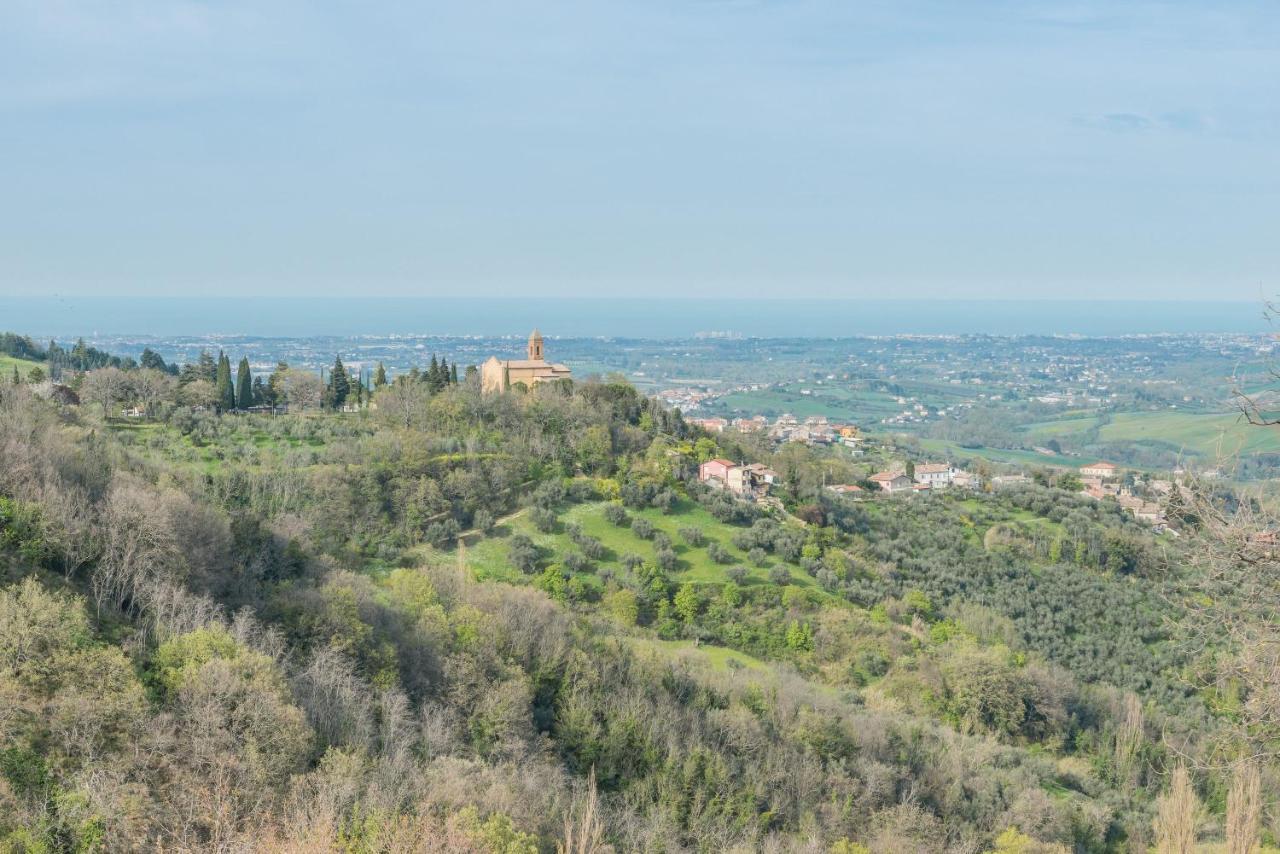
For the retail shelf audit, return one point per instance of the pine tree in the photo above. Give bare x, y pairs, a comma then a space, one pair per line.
244, 385
339, 384
380, 377
226, 391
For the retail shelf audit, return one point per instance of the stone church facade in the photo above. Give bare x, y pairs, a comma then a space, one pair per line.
498, 375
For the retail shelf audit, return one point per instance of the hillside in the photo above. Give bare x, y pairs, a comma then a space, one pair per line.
462, 621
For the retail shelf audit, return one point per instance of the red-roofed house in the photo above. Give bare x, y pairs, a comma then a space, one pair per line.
891, 481
1099, 469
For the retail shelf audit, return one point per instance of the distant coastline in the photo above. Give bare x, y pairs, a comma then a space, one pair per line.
623, 318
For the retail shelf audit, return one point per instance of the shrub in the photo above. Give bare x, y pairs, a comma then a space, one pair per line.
544, 519
483, 521
758, 556
719, 553
664, 500
693, 536
631, 561
591, 547
617, 514
439, 533
737, 574
577, 562
666, 560
642, 527
581, 490
780, 575
661, 541
523, 554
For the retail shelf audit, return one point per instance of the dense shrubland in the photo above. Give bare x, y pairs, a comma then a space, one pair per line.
254, 633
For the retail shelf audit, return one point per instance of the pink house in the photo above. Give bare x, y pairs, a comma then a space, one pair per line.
715, 471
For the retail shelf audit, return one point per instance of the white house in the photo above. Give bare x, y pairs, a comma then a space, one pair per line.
1100, 469
934, 475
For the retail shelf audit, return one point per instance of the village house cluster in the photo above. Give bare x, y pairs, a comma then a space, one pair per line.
1103, 480
924, 477
814, 430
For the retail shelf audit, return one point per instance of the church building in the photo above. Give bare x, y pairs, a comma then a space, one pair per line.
498, 375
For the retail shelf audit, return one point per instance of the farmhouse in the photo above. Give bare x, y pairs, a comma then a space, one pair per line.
1099, 469
934, 475
497, 375
751, 480
891, 481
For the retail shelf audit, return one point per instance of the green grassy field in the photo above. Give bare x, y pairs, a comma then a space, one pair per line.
487, 556
1200, 434
8, 363
954, 452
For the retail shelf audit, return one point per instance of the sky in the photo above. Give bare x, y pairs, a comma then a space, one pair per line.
658, 148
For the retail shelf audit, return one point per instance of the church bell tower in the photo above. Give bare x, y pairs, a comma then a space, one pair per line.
535, 346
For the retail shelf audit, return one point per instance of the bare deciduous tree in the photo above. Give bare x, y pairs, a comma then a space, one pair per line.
404, 404
106, 387
150, 387
303, 390
200, 393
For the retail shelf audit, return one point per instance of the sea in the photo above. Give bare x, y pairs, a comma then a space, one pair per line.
288, 317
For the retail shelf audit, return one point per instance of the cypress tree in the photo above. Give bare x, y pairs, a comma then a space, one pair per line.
244, 385
433, 374
16, 380
453, 377
444, 373
259, 392
226, 391
339, 383
380, 377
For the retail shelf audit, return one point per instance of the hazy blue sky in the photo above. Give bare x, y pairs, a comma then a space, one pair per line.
825, 148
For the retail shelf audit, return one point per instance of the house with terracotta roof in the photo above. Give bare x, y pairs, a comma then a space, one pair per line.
934, 475
1100, 469
715, 472
891, 481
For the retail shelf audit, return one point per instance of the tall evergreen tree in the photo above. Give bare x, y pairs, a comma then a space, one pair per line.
433, 374
244, 385
259, 392
339, 384
453, 377
16, 379
444, 372
379, 377
222, 382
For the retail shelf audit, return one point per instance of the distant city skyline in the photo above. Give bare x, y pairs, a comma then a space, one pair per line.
716, 148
